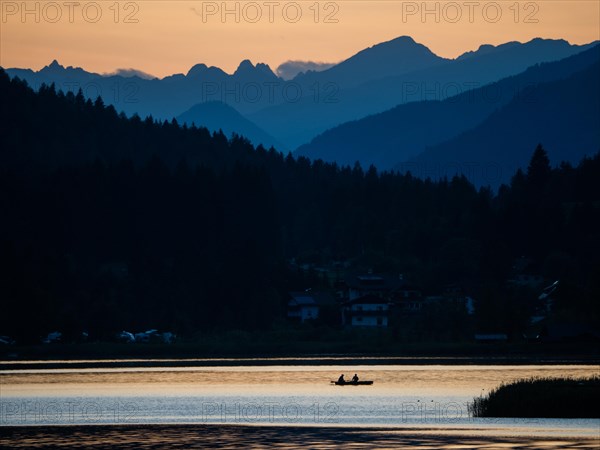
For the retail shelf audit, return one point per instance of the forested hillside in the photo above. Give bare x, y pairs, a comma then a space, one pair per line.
111, 223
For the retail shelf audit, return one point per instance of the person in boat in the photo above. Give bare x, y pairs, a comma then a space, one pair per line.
341, 379
355, 378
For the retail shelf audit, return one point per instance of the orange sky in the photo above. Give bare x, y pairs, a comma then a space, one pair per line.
165, 37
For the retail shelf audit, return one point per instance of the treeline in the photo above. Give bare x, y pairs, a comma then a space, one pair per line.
116, 223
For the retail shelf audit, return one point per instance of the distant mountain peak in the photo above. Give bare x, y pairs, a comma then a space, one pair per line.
246, 68
484, 47
203, 69
487, 48
404, 39
54, 65
400, 47
196, 69
55, 68
540, 39
217, 115
534, 43
263, 67
245, 65
401, 42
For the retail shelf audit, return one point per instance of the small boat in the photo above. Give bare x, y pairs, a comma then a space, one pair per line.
352, 383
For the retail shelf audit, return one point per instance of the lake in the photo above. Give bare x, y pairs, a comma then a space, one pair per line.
403, 396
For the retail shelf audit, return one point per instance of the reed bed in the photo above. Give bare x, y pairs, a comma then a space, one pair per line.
562, 397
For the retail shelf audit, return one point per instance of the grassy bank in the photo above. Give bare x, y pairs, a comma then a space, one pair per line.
542, 398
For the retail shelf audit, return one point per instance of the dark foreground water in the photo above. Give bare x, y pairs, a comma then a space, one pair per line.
262, 437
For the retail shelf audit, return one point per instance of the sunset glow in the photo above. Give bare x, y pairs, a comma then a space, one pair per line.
162, 38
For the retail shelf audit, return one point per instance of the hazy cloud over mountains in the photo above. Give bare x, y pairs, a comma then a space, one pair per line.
128, 73
290, 69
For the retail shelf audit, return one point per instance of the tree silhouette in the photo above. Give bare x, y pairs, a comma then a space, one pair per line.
538, 171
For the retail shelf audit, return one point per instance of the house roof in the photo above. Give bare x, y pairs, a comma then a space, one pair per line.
367, 300
491, 337
302, 299
370, 281
311, 298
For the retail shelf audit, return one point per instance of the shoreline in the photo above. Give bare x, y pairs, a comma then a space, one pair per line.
331, 360
260, 436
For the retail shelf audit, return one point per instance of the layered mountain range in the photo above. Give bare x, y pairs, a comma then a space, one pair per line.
432, 132
390, 104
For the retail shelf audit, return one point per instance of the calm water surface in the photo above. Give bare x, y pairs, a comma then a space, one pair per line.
411, 396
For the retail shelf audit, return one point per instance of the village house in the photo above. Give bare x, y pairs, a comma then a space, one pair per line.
453, 295
372, 284
302, 306
370, 298
366, 311
407, 300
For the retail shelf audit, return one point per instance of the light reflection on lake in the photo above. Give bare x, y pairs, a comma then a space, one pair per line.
416, 396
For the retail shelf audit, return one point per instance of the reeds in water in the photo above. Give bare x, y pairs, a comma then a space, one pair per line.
562, 397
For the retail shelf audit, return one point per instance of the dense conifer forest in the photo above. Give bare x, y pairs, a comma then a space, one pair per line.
112, 223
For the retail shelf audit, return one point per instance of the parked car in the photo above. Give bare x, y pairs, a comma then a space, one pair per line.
52, 337
7, 340
126, 336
